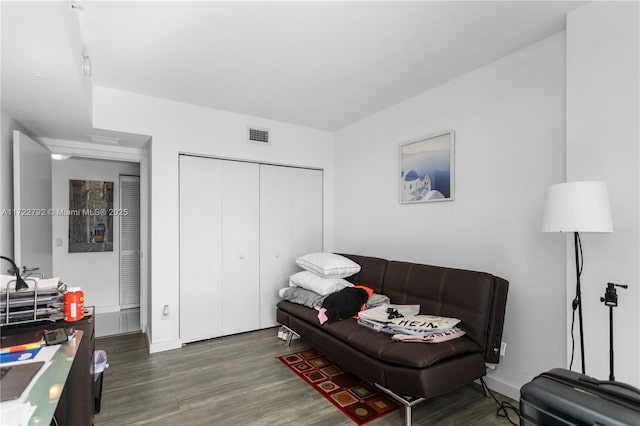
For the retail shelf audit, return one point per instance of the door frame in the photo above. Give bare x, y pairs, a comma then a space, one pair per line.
126, 154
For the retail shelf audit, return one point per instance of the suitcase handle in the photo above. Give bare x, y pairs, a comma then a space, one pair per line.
597, 382
631, 401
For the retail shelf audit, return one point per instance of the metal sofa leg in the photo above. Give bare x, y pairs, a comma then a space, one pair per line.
289, 336
485, 388
407, 401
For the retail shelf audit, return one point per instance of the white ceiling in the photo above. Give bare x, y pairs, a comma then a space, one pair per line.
318, 64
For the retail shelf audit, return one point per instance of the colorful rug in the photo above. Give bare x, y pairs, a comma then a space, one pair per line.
361, 402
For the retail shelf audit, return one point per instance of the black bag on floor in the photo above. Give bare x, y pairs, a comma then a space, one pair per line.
563, 397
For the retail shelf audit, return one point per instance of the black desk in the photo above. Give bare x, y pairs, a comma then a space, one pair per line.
75, 405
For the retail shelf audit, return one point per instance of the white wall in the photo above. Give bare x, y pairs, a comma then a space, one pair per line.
177, 127
509, 122
603, 134
97, 273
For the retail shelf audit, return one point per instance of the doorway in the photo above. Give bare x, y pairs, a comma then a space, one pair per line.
101, 274
132, 155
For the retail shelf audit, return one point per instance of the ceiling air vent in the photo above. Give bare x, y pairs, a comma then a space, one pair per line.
258, 135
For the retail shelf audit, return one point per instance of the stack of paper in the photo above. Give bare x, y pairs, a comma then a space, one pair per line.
41, 283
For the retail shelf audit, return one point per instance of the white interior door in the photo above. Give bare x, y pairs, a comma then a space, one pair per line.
129, 242
32, 203
290, 226
276, 234
200, 248
240, 247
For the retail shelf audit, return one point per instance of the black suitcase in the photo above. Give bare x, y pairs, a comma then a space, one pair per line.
563, 397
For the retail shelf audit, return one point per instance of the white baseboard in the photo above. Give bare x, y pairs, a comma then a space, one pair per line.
166, 345
505, 389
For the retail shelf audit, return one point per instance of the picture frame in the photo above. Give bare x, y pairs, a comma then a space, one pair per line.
426, 168
90, 216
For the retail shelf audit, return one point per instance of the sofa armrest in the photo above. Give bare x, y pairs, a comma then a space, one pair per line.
496, 320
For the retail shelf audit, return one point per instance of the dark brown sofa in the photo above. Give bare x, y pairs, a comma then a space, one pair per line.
415, 370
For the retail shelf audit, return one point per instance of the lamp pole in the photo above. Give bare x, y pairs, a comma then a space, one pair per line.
577, 302
610, 299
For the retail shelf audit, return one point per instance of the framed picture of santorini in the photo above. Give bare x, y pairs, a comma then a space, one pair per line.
90, 216
427, 168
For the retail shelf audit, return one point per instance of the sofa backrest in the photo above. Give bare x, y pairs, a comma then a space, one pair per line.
478, 299
372, 270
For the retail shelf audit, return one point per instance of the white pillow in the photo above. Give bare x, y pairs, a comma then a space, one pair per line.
328, 265
320, 285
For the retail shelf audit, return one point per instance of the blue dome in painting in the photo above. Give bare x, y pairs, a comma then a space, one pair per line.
412, 175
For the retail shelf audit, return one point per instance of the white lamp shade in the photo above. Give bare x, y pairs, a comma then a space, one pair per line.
577, 207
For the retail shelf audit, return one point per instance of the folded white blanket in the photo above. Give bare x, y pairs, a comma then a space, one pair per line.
380, 314
442, 336
425, 322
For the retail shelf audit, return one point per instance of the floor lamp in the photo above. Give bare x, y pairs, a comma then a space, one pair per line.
578, 207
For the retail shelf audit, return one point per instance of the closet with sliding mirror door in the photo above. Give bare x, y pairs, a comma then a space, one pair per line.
242, 225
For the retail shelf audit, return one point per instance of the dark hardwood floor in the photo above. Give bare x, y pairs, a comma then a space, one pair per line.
236, 381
